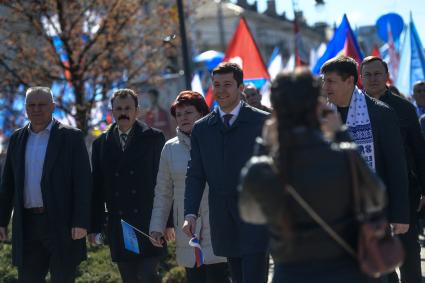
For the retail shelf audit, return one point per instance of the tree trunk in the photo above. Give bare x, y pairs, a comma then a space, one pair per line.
81, 107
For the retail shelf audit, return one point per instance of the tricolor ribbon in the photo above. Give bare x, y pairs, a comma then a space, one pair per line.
194, 242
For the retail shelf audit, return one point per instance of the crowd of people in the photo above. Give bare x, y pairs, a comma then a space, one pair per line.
246, 181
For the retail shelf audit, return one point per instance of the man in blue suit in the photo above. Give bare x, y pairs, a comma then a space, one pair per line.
222, 142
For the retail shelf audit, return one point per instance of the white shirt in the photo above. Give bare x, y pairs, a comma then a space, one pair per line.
234, 112
35, 154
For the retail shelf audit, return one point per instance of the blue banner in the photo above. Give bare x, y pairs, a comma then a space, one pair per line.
129, 237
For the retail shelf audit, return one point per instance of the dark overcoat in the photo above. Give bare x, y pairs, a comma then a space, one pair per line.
125, 182
414, 147
390, 159
217, 156
65, 186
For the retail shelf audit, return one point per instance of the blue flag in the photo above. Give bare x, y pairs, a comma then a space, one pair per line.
412, 61
129, 237
343, 42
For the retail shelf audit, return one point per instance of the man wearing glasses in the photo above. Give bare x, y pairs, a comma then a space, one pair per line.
375, 129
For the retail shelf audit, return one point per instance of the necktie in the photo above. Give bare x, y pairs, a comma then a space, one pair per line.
226, 119
123, 138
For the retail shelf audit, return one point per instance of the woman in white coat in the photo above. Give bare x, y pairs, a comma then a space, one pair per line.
188, 107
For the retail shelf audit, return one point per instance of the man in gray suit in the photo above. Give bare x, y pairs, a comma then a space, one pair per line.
222, 142
47, 182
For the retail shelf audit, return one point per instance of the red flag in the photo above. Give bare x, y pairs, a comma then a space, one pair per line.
243, 51
350, 50
375, 52
300, 56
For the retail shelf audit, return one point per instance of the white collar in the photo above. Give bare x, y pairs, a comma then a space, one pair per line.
234, 112
126, 132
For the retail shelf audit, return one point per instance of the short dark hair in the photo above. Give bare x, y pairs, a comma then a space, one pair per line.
123, 93
344, 66
226, 68
418, 83
189, 97
370, 59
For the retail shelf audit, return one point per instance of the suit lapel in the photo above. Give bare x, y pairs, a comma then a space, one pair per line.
215, 121
243, 116
133, 149
21, 144
55, 142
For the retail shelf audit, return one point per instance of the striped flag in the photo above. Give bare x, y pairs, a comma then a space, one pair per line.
194, 242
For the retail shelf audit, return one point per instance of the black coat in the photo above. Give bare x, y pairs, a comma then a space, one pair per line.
414, 146
125, 181
65, 186
390, 160
217, 157
320, 173
422, 123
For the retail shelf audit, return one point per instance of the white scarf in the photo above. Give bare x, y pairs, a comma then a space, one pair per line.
359, 126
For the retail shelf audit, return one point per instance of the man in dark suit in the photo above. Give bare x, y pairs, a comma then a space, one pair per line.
339, 84
47, 182
374, 72
125, 163
222, 142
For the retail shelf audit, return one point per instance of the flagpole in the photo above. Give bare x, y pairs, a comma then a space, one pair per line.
220, 24
186, 63
144, 234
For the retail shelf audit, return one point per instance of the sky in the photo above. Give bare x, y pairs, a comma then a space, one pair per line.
359, 12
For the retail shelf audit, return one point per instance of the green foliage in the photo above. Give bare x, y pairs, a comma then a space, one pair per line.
97, 268
8, 273
177, 274
168, 269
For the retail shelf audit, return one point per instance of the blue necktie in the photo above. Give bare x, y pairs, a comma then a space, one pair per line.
226, 119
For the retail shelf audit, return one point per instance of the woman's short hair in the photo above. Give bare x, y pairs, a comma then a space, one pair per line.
188, 97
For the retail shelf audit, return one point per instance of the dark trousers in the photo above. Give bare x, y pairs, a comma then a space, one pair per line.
39, 256
330, 271
208, 273
410, 271
249, 268
142, 271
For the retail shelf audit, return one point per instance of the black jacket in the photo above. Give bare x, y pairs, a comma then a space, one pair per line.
125, 181
414, 145
390, 160
65, 186
320, 173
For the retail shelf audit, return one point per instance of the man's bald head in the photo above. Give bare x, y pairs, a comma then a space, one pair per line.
419, 93
41, 91
39, 106
252, 95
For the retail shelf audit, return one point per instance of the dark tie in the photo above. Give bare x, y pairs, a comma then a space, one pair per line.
124, 138
226, 119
